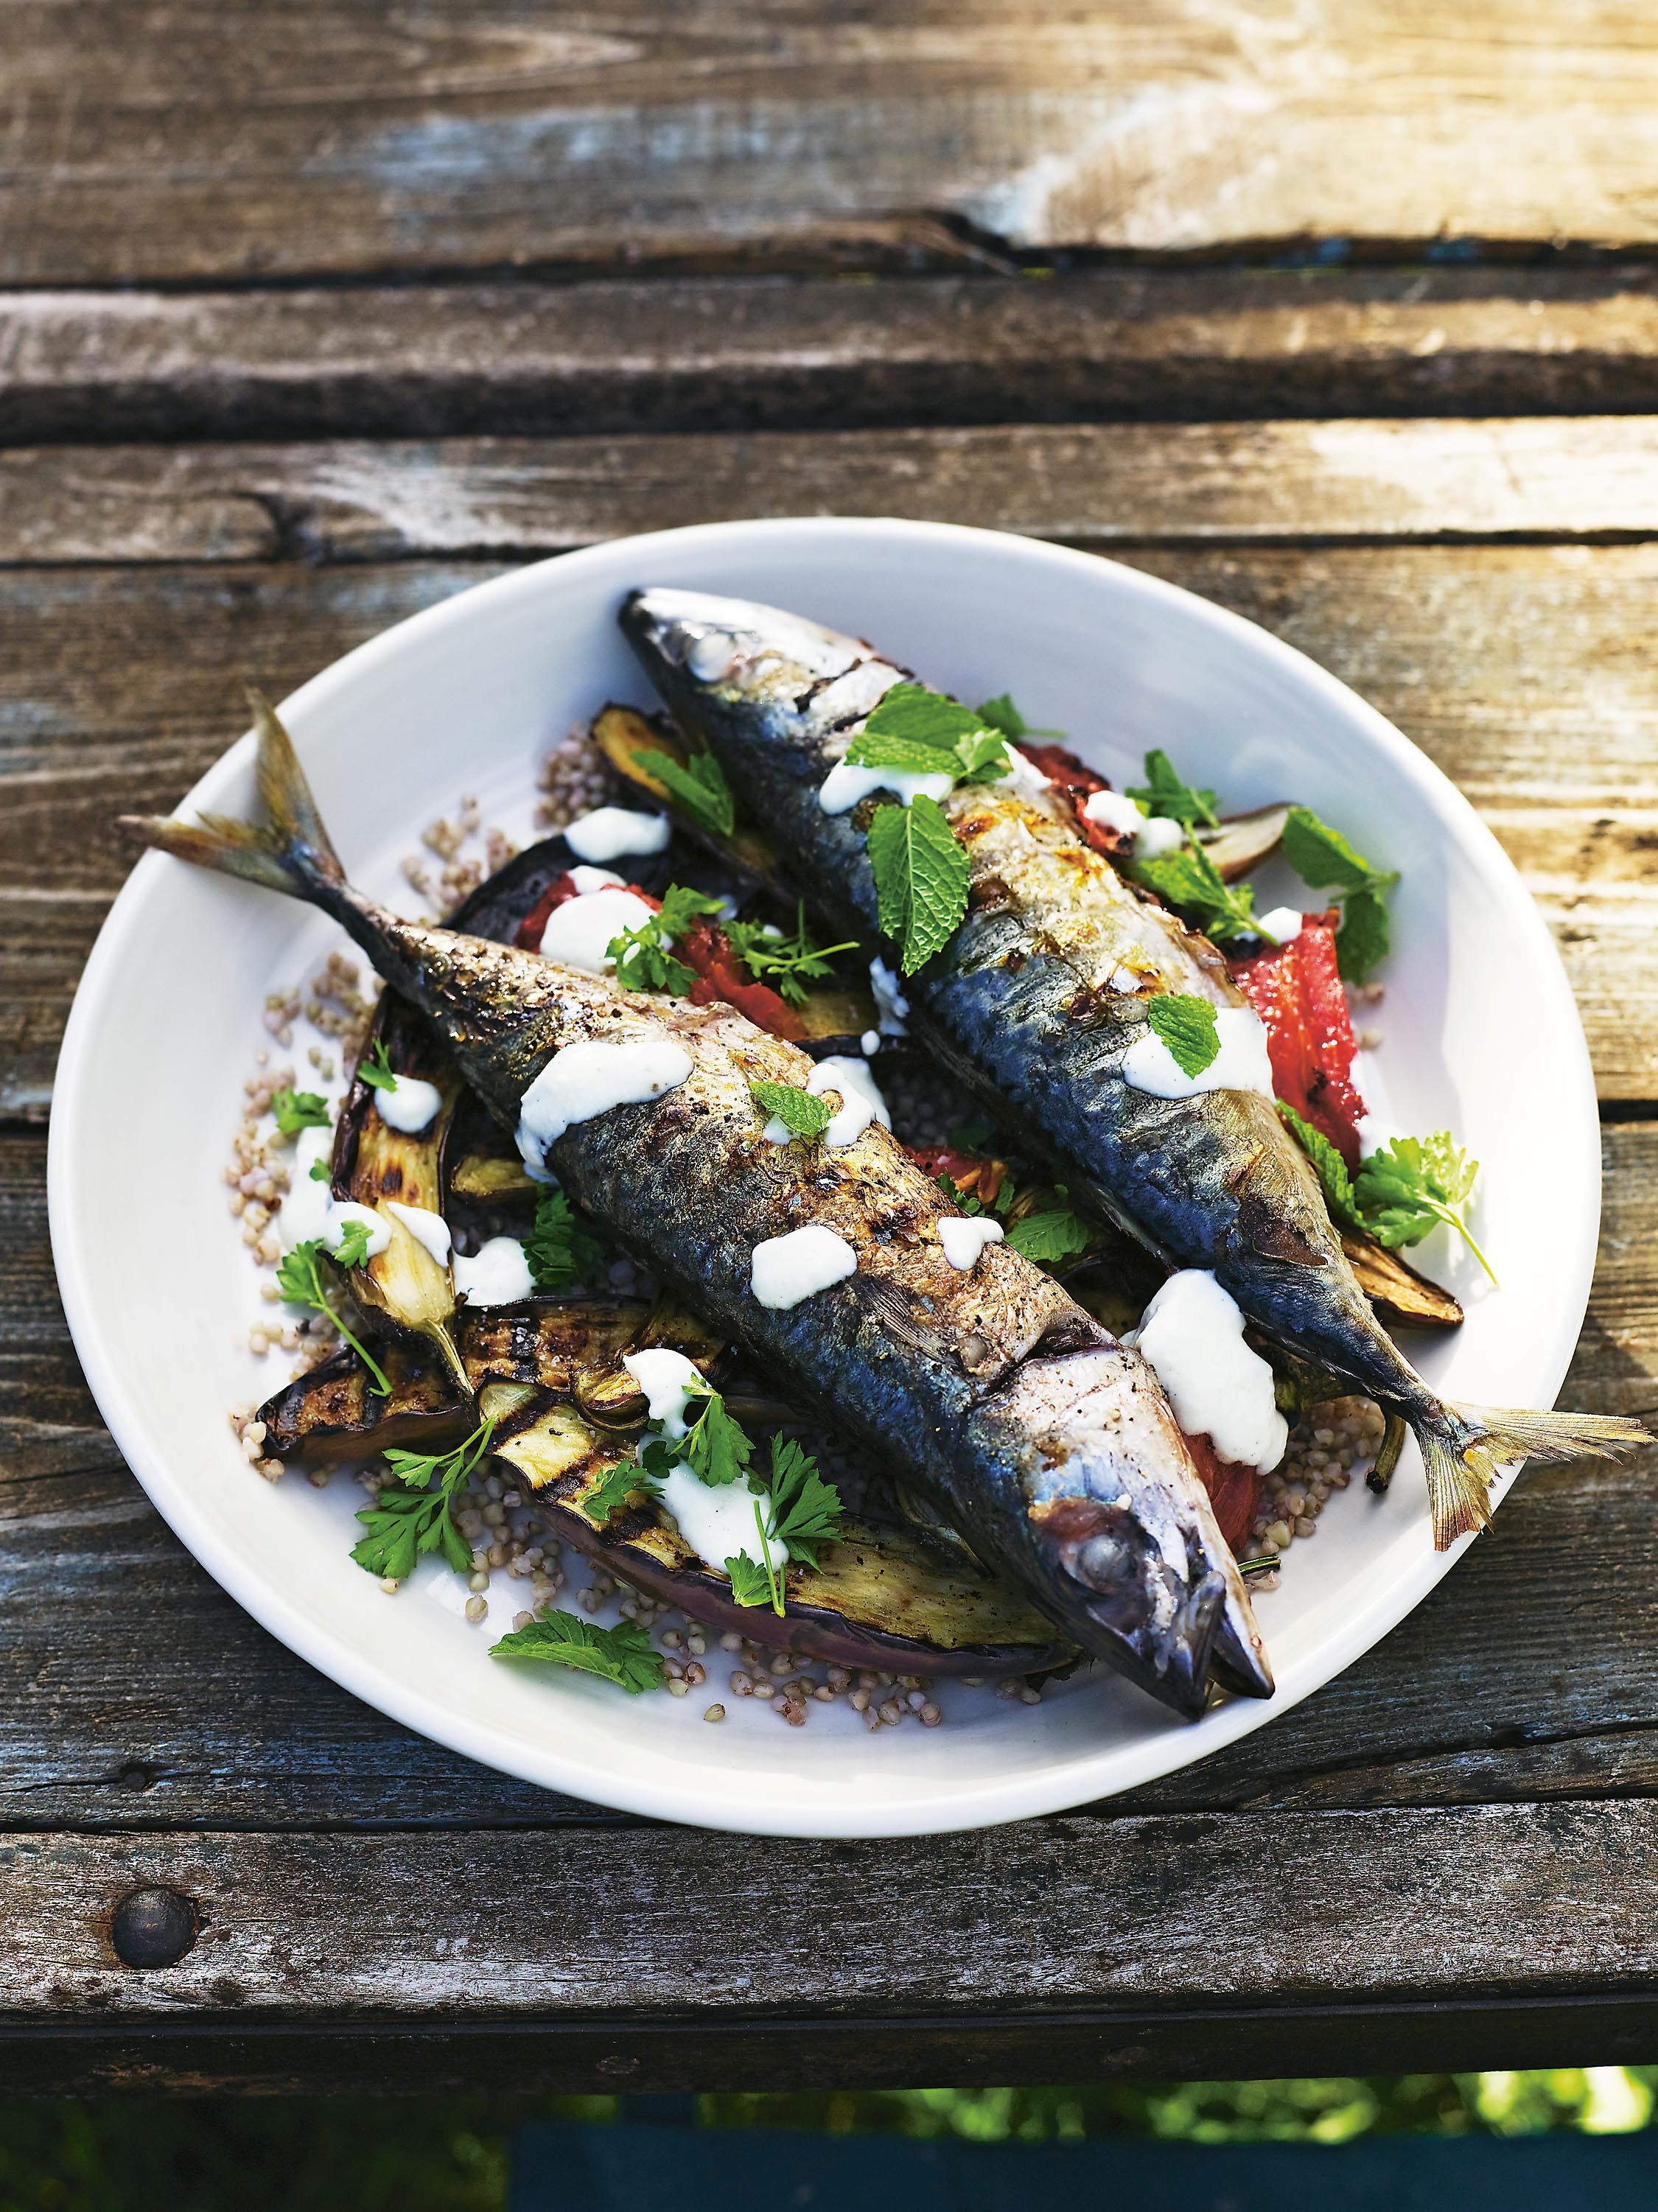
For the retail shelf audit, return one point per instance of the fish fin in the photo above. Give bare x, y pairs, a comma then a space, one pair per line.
292, 854
1465, 1453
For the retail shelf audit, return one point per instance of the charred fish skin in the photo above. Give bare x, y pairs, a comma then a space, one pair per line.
1038, 998
988, 1388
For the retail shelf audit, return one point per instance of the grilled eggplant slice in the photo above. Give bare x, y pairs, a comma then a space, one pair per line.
1243, 841
1401, 1297
380, 1166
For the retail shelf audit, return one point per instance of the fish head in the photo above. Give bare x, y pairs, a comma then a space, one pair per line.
1119, 1531
755, 679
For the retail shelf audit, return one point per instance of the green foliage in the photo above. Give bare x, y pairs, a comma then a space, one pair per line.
699, 788
402, 1525
560, 1250
621, 1654
1322, 857
642, 956
616, 1487
716, 1449
1187, 1025
1409, 1186
1166, 792
805, 1510
299, 1279
1190, 882
802, 1112
921, 877
376, 1069
1049, 1237
1332, 1167
923, 732
299, 1109
782, 961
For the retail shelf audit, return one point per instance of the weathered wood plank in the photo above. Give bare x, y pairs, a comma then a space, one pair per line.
1087, 484
1522, 670
724, 354
343, 135
107, 1725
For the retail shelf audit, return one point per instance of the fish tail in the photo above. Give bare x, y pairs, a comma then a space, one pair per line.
1465, 1447
292, 852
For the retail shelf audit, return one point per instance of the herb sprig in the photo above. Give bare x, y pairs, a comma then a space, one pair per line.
1190, 880
1051, 1237
375, 1069
1166, 792
782, 961
923, 732
1188, 1027
699, 786
1401, 1192
622, 1654
299, 1279
643, 959
299, 1109
560, 1250
1322, 857
921, 877
403, 1525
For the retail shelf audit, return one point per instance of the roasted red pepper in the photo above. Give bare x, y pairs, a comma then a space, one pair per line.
1078, 783
1296, 988
1234, 1491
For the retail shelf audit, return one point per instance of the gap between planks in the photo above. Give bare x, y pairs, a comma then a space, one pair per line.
679, 354
1091, 485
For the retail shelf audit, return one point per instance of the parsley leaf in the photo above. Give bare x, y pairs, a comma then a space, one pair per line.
1322, 857
782, 961
1332, 1167
805, 1510
299, 1279
1410, 1185
802, 1112
1050, 1237
1165, 793
716, 1448
1187, 1025
699, 786
1191, 881
560, 1250
299, 1109
352, 1250
621, 1654
751, 1583
376, 1069
643, 962
616, 1487
321, 1172
921, 877
402, 1525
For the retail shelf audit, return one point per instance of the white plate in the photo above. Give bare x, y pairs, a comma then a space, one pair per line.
1481, 1036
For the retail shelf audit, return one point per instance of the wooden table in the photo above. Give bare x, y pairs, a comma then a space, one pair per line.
339, 308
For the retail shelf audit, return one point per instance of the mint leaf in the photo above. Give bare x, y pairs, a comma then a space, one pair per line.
922, 733
699, 786
1049, 1236
801, 1112
1191, 882
1322, 857
921, 878
1166, 792
1002, 714
1187, 1025
560, 1250
621, 1654
299, 1109
1332, 1167
1364, 938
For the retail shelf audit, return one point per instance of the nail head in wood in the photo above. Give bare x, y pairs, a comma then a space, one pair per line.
153, 1927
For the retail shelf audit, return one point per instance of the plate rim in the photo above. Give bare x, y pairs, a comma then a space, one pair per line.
1057, 1785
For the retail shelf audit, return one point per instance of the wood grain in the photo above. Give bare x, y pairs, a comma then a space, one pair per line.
345, 135
1091, 485
726, 353
211, 1724
1522, 670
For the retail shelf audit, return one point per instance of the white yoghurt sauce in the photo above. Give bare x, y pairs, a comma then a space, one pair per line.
1152, 835
1192, 1333
428, 1229
497, 1274
590, 1077
587, 879
788, 1269
1024, 776
869, 1044
1241, 1063
861, 1103
717, 1521
963, 1241
580, 932
666, 1377
844, 786
606, 833
891, 1006
409, 1105
308, 1212
1282, 924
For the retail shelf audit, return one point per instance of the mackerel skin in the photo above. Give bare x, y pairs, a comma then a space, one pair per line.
1041, 993
1045, 1442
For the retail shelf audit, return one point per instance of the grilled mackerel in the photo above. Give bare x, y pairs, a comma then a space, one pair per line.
1045, 1443
1037, 1001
